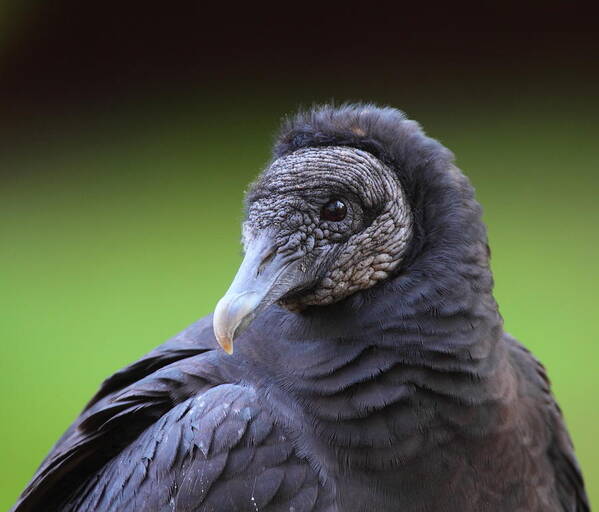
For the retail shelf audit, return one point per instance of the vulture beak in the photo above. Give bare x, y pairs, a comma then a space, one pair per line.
263, 278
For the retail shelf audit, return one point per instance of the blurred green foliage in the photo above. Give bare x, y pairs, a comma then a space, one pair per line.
118, 230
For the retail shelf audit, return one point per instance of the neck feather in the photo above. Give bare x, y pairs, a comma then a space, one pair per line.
407, 364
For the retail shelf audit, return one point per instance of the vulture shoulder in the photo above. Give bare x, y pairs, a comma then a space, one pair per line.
172, 432
544, 414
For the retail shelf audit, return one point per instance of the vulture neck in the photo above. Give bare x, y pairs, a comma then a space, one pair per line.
394, 370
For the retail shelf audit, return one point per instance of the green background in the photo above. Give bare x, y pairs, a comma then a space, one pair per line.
117, 240
119, 213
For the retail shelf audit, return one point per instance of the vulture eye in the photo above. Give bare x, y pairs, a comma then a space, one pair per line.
335, 210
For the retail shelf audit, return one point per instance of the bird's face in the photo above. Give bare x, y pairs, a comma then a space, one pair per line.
322, 223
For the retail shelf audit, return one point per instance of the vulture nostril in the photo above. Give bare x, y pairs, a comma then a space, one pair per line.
266, 260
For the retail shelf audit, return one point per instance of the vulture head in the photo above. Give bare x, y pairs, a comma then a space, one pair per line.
345, 204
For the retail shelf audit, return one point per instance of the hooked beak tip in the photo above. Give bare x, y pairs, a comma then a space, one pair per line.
226, 344
232, 314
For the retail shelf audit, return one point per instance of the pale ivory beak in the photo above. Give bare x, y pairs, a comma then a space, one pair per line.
262, 279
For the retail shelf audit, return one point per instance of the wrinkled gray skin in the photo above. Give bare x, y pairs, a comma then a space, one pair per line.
299, 259
337, 258
385, 383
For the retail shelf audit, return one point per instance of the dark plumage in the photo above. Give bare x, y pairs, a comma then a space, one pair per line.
370, 372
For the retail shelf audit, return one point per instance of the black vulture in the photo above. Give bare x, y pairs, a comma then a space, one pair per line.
371, 371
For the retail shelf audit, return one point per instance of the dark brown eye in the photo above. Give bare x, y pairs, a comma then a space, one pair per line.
335, 210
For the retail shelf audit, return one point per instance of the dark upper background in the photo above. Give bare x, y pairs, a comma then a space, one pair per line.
92, 54
129, 131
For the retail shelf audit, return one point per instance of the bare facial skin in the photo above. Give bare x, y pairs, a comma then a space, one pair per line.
322, 223
352, 254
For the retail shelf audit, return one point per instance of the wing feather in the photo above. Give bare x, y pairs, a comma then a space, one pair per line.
568, 482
